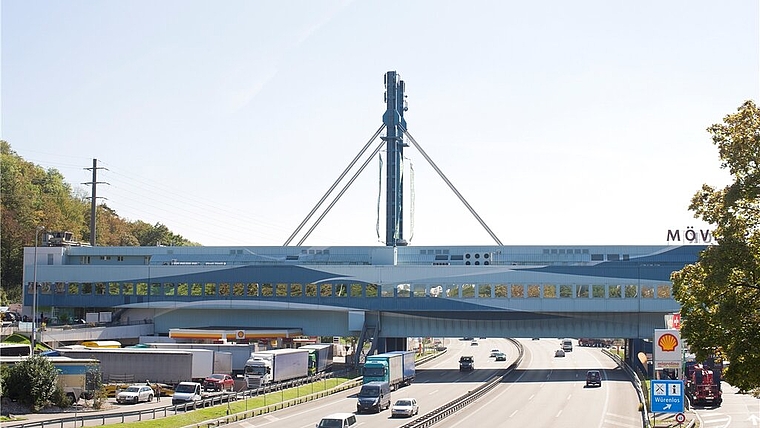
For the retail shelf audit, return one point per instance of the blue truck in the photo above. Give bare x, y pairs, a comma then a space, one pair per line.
395, 367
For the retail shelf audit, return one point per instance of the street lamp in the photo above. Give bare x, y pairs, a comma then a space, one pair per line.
34, 297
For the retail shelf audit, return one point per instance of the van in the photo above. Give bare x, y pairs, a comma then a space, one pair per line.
374, 396
567, 346
337, 420
187, 392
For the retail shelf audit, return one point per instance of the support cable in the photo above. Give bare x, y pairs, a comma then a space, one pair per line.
342, 191
334, 185
451, 186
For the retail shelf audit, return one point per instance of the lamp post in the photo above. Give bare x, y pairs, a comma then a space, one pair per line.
34, 289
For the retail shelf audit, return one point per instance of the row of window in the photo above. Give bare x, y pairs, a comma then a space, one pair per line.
455, 291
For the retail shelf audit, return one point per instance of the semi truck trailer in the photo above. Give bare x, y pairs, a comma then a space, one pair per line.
278, 365
320, 357
396, 367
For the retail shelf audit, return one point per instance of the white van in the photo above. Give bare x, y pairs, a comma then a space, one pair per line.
337, 420
187, 392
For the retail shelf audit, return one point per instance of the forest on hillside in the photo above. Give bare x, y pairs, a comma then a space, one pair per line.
32, 197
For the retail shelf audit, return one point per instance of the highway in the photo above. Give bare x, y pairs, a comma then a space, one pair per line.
545, 391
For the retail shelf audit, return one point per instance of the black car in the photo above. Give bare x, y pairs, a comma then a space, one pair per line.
593, 377
466, 363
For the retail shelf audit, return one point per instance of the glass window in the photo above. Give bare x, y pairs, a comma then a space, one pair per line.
647, 292
210, 289
60, 288
371, 290
500, 291
45, 287
631, 291
484, 291
582, 291
183, 289
142, 288
419, 290
356, 290
663, 291
403, 290
598, 291
238, 289
518, 291
100, 288
468, 291
196, 289
169, 289
341, 290
565, 291
113, 288
387, 290
253, 289
534, 291
155, 289
281, 289
311, 290
224, 289
296, 290
550, 291
74, 288
325, 290
452, 291
615, 291
267, 290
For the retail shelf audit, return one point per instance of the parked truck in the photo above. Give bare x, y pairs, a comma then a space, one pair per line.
241, 352
278, 365
320, 357
703, 384
395, 367
157, 365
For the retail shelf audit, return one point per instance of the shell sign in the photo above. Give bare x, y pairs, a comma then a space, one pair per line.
667, 349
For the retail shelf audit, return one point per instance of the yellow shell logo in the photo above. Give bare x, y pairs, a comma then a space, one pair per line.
668, 342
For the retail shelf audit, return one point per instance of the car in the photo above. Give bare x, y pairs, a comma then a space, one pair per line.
219, 382
559, 353
593, 377
466, 363
501, 356
405, 407
473, 343
494, 352
135, 394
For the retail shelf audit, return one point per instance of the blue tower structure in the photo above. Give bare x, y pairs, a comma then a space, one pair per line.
395, 125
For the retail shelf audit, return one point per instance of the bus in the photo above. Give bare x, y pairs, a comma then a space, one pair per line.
15, 349
75, 375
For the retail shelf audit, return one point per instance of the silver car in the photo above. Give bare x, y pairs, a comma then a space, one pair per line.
135, 394
405, 407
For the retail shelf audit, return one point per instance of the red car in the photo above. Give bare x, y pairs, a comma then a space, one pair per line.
219, 382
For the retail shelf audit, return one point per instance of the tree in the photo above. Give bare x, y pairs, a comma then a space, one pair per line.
720, 294
32, 381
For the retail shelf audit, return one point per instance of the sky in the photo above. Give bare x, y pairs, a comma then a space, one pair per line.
560, 123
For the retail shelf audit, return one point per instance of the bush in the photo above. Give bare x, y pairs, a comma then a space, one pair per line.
32, 382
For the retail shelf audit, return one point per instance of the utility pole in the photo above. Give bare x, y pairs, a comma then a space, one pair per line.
394, 140
93, 198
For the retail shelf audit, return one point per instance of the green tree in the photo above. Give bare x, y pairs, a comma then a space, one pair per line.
720, 294
32, 382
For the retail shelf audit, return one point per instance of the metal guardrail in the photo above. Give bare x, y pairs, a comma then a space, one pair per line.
453, 406
636, 383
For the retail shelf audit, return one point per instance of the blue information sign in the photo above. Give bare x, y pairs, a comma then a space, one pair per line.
666, 396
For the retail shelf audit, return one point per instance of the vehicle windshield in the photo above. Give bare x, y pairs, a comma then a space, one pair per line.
132, 389
331, 423
369, 391
374, 371
185, 388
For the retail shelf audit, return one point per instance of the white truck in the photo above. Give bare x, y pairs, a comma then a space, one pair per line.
240, 352
277, 365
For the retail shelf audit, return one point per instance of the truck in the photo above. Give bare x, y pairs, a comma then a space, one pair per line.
277, 365
320, 357
703, 384
395, 367
567, 345
241, 352
75, 375
166, 366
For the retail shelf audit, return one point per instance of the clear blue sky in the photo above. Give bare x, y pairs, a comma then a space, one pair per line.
560, 122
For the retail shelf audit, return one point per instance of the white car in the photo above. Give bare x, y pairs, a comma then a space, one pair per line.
405, 407
495, 352
135, 394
